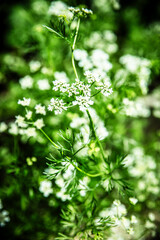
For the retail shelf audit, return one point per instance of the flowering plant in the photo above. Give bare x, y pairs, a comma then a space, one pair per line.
82, 105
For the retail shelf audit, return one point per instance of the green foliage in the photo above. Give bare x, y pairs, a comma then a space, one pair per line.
79, 152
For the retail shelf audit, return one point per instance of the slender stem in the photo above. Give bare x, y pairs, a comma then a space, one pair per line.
96, 93
49, 138
95, 136
51, 30
88, 174
73, 47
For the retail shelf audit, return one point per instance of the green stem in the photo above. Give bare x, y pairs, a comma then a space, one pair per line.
88, 174
96, 93
56, 146
95, 136
51, 30
73, 47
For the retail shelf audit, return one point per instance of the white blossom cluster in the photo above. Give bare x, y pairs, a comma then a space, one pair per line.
24, 101
34, 66
59, 8
140, 67
98, 61
57, 105
122, 224
25, 125
109, 5
143, 167
27, 83
135, 108
3, 127
80, 90
46, 188
4, 215
105, 40
43, 84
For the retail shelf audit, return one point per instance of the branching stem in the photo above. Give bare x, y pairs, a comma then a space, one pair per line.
73, 47
95, 136
88, 174
45, 134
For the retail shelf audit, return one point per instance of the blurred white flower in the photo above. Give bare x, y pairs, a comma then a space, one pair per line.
30, 132
24, 102
40, 109
20, 121
43, 84
34, 66
26, 82
4, 217
28, 114
133, 201
3, 127
13, 129
46, 187
39, 123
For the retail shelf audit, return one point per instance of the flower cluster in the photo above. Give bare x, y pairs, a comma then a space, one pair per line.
79, 90
4, 215
57, 105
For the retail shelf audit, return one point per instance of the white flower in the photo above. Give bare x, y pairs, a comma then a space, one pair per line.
149, 225
4, 217
69, 172
26, 82
133, 219
39, 123
28, 114
125, 222
135, 108
83, 101
77, 122
100, 60
61, 75
24, 102
130, 231
60, 182
117, 203
3, 126
101, 130
133, 63
20, 121
80, 54
105, 88
59, 8
92, 77
151, 216
34, 66
109, 36
13, 129
30, 132
57, 105
87, 11
72, 90
46, 71
63, 195
43, 84
60, 85
133, 201
46, 187
40, 109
